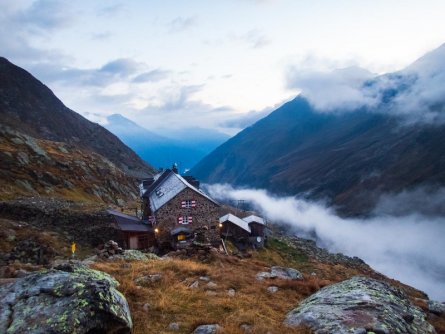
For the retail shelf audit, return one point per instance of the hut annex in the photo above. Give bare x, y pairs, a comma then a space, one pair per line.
133, 233
178, 211
243, 232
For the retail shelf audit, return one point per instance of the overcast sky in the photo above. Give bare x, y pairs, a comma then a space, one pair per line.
217, 64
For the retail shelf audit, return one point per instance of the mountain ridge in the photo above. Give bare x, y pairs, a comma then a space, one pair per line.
347, 158
31, 107
184, 148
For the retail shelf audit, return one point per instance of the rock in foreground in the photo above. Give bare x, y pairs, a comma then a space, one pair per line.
360, 305
69, 299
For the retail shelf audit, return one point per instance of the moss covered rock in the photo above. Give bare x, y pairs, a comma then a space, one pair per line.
67, 299
360, 305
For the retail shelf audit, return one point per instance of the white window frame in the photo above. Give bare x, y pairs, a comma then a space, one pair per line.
188, 204
186, 220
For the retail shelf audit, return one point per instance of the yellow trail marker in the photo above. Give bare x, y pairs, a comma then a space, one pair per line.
73, 248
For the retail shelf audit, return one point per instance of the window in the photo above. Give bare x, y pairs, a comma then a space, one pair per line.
190, 203
159, 192
185, 220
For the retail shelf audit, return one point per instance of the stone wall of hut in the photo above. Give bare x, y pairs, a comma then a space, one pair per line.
204, 215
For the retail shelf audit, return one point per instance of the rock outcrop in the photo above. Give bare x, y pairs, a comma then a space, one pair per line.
110, 248
66, 299
281, 273
360, 305
436, 307
32, 167
207, 329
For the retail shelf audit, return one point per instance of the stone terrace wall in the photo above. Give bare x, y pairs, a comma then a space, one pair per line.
91, 227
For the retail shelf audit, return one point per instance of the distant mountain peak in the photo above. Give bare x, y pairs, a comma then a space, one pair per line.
348, 157
431, 62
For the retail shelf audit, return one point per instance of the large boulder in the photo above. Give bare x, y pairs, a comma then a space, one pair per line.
360, 305
436, 307
66, 299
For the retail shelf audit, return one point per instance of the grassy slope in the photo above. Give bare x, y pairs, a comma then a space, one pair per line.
172, 299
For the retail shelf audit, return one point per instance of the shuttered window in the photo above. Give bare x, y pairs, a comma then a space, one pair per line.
185, 220
190, 203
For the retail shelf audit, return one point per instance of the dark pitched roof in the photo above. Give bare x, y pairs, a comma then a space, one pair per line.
129, 223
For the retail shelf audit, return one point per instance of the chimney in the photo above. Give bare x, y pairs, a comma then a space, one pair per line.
175, 168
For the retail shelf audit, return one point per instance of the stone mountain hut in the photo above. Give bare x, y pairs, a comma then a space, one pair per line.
179, 211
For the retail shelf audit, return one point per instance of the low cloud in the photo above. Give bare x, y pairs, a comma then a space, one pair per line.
152, 76
111, 72
110, 10
177, 107
254, 39
424, 99
180, 24
46, 15
22, 24
338, 90
409, 248
426, 201
415, 94
122, 67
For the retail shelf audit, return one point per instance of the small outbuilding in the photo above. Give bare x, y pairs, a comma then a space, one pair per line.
257, 230
248, 231
134, 233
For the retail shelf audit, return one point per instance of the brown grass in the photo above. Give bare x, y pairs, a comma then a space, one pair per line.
172, 299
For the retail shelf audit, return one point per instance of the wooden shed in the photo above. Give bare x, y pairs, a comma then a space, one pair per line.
248, 231
135, 233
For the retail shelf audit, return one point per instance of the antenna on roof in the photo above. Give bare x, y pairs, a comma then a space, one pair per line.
175, 168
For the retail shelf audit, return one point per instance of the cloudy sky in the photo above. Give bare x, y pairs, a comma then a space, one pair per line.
217, 64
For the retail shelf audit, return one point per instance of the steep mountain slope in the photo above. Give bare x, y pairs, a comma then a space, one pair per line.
37, 167
186, 148
349, 158
30, 107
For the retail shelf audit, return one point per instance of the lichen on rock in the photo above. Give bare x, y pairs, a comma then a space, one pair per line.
67, 299
360, 305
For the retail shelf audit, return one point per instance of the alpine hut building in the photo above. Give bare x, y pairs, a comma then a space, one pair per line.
179, 212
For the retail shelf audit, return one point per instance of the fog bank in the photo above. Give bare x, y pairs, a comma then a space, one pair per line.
408, 248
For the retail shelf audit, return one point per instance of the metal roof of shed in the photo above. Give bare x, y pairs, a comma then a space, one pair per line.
254, 219
235, 220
